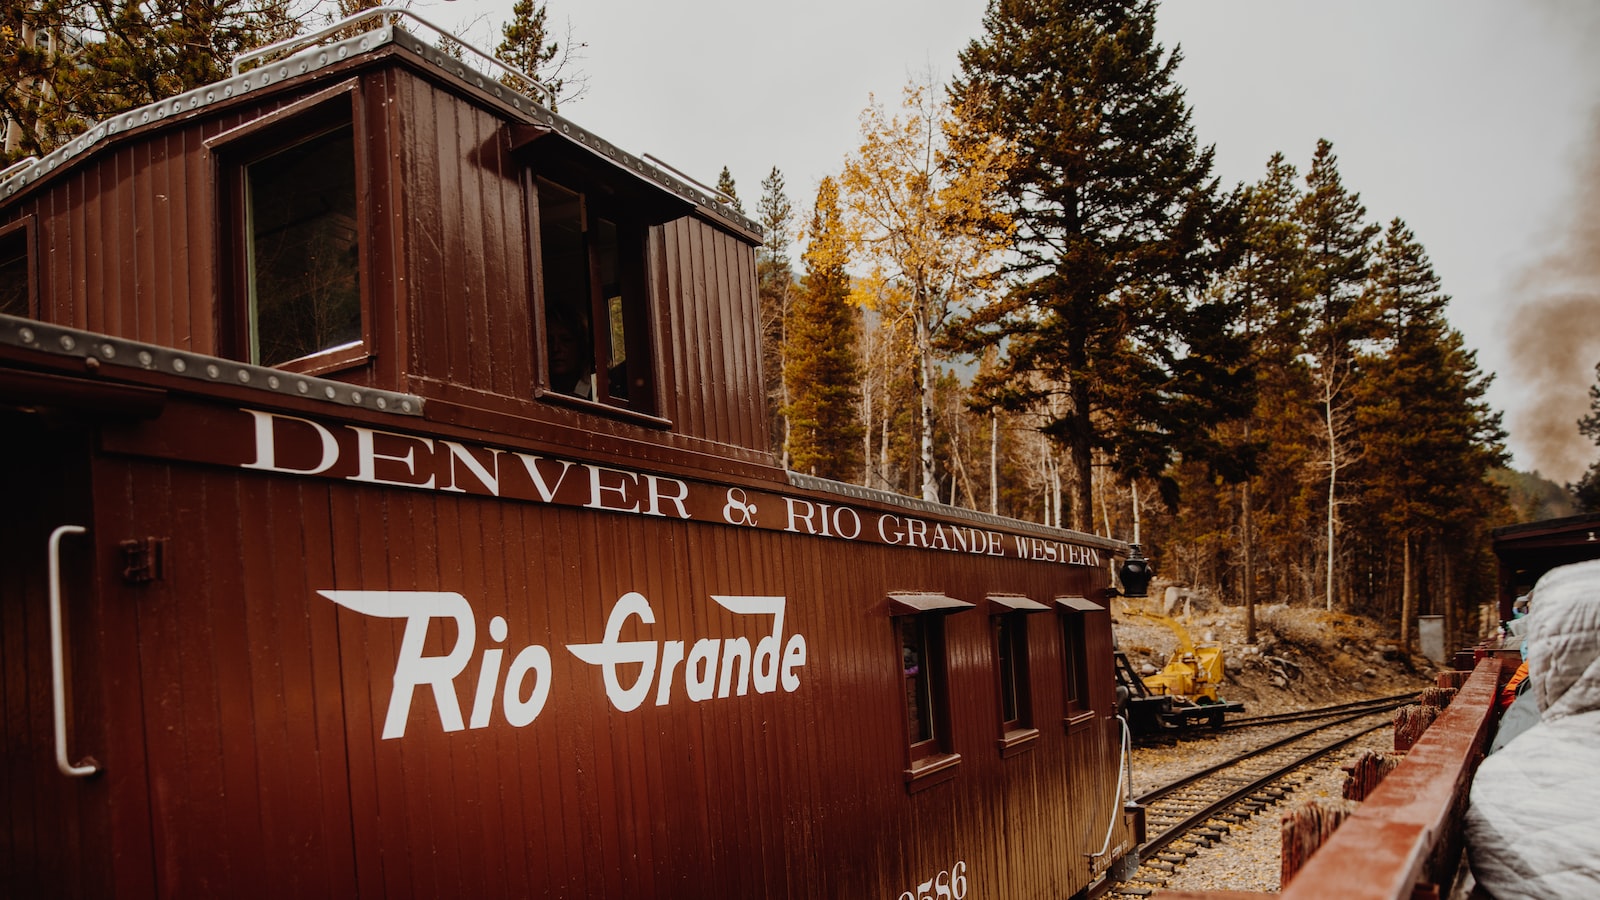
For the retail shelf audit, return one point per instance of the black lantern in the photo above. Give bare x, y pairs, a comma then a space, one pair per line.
1135, 574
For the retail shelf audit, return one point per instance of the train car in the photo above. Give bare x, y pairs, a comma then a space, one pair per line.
390, 511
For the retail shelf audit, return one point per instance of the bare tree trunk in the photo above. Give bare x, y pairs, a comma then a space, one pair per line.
1407, 600
1133, 489
1247, 548
866, 421
994, 463
883, 453
930, 487
1333, 512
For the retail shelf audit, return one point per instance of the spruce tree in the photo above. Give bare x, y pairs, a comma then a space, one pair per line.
1428, 436
775, 285
821, 367
66, 64
725, 185
1271, 281
1586, 492
527, 45
1116, 217
1339, 249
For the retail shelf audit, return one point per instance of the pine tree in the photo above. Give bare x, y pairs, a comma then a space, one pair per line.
775, 285
1586, 493
725, 185
1339, 249
821, 366
1270, 279
1116, 215
528, 46
1429, 439
69, 63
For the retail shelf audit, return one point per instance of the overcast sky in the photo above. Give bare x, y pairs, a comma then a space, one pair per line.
1476, 121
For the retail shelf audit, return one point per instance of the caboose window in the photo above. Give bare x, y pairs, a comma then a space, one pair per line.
1011, 639
919, 627
596, 312
15, 274
1008, 615
302, 258
1074, 654
918, 662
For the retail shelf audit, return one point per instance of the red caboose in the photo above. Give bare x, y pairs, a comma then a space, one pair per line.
391, 512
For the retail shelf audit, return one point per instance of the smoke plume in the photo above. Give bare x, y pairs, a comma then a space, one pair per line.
1553, 327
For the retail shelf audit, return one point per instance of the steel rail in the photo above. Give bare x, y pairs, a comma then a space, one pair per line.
1191, 778
1375, 704
1154, 845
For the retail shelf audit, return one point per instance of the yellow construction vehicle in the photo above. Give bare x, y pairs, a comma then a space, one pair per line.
1181, 694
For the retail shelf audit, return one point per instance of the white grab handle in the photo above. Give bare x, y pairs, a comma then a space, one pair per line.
58, 679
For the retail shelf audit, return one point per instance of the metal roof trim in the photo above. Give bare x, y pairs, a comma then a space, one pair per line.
103, 350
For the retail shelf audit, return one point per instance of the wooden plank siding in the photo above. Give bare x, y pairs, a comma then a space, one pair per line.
257, 707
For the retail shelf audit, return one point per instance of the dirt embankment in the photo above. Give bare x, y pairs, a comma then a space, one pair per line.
1302, 657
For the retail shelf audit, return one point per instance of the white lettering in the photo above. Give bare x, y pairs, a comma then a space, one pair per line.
655, 496
267, 445
599, 489
546, 491
610, 652
884, 535
700, 672
520, 712
367, 457
412, 669
489, 479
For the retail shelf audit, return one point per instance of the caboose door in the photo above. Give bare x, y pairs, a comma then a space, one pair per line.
74, 822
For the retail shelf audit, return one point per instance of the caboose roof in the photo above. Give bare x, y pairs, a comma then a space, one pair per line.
304, 59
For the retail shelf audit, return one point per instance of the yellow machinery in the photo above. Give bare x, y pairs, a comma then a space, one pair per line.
1193, 672
1180, 695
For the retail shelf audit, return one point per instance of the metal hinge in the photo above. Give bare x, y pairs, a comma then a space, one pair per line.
144, 561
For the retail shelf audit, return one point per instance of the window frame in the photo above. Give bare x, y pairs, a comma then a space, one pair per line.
932, 760
22, 231
1073, 618
641, 315
234, 151
1017, 734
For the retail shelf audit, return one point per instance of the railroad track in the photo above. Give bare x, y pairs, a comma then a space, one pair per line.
1375, 704
1199, 809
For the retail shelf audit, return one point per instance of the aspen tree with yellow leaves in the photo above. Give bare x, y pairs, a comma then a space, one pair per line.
927, 225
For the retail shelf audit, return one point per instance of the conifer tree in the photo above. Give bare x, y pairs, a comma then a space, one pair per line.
1116, 218
528, 46
821, 367
1339, 249
1586, 493
1429, 438
725, 185
65, 64
1270, 280
775, 285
